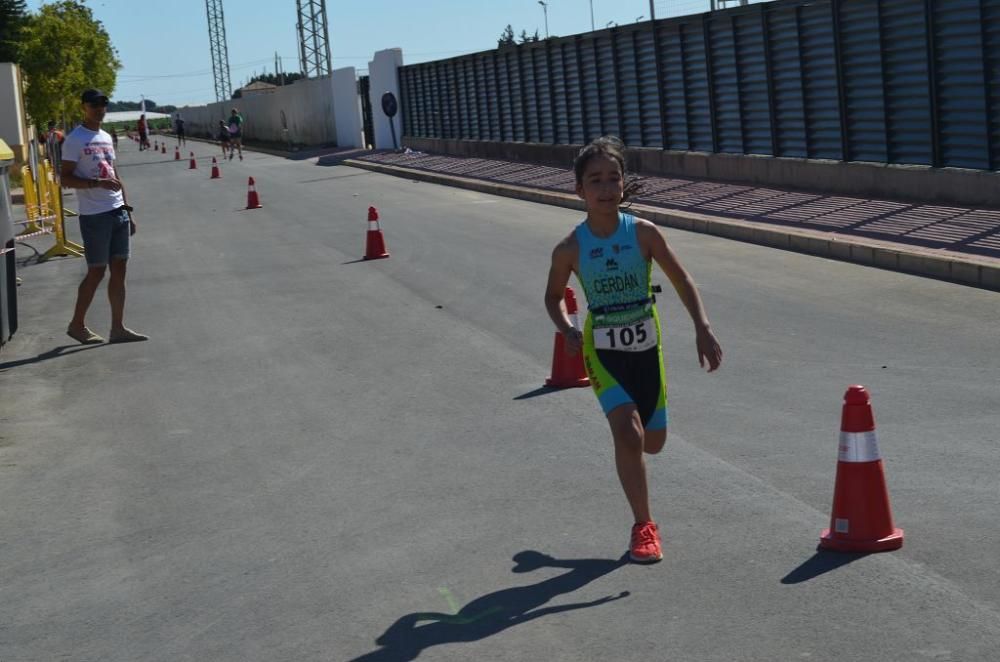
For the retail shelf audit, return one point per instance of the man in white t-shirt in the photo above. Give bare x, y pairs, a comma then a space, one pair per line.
106, 223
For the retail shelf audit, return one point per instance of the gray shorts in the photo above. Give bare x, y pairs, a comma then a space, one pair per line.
105, 236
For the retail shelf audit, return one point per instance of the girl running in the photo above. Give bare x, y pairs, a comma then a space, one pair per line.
611, 252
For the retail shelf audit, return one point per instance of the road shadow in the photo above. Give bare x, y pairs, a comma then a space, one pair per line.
820, 563
541, 390
53, 353
494, 612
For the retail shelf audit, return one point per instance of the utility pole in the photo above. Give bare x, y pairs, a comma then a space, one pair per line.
652, 11
545, 10
592, 28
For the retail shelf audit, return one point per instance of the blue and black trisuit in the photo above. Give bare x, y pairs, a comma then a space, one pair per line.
621, 337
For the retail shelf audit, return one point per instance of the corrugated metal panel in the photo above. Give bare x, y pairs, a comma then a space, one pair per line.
574, 91
699, 106
504, 96
963, 124
532, 130
628, 89
416, 107
862, 66
725, 84
437, 100
561, 120
817, 46
469, 99
513, 58
751, 64
405, 101
786, 72
608, 93
907, 75
591, 90
649, 95
482, 99
991, 55
492, 87
543, 95
446, 89
674, 94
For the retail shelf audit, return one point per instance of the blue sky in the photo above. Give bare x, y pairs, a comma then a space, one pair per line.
164, 48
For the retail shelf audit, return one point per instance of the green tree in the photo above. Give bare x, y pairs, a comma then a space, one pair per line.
11, 22
506, 37
65, 51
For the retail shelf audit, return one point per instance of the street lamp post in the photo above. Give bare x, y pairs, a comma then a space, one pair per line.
545, 10
592, 15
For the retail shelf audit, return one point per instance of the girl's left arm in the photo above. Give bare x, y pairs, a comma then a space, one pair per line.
654, 246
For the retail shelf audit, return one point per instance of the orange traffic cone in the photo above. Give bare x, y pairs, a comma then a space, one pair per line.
253, 202
215, 169
156, 146
177, 153
567, 371
193, 165
163, 148
375, 243
861, 520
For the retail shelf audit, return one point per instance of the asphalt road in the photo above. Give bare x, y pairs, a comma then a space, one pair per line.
321, 458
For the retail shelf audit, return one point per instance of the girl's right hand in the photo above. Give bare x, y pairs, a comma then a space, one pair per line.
574, 342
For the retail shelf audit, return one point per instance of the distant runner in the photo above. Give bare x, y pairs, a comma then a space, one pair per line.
236, 132
179, 129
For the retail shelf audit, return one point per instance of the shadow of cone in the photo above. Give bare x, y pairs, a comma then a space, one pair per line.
375, 242
861, 520
253, 202
567, 371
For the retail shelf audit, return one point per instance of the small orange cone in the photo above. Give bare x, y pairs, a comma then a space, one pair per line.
193, 165
156, 146
861, 520
253, 202
215, 169
163, 148
375, 244
567, 371
177, 153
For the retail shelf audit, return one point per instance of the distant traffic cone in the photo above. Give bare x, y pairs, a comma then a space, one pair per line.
375, 243
156, 146
193, 165
215, 169
861, 520
163, 148
177, 153
253, 202
567, 371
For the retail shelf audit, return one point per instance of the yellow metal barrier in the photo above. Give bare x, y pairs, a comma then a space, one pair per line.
31, 203
63, 247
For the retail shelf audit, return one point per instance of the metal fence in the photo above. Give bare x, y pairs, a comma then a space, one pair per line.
892, 81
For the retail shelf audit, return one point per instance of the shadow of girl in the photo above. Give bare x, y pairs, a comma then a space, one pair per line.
494, 612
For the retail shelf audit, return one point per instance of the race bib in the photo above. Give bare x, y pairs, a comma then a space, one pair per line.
635, 337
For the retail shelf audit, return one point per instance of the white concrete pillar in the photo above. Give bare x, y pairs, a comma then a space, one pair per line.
384, 77
347, 108
12, 125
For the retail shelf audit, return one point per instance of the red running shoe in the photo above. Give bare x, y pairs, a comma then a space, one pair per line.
645, 546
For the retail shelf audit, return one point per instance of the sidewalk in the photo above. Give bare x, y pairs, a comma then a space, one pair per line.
949, 243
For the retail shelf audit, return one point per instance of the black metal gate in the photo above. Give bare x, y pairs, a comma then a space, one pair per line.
364, 87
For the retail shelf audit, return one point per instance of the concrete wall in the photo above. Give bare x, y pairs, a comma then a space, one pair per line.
13, 130
905, 182
347, 108
384, 76
300, 113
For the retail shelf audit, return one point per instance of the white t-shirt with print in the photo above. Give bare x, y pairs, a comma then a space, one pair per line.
94, 155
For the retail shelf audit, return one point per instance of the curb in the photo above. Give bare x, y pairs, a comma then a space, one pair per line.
983, 272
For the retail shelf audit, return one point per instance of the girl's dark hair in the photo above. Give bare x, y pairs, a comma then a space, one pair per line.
613, 148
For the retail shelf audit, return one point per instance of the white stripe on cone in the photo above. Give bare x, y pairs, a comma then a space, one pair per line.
859, 447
